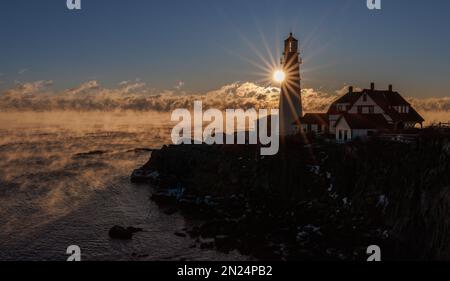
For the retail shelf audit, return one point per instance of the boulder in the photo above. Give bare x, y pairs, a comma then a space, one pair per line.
119, 232
180, 234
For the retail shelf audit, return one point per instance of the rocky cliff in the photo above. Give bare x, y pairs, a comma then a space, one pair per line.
313, 201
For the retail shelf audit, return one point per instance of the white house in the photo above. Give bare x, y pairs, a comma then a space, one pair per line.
352, 126
364, 113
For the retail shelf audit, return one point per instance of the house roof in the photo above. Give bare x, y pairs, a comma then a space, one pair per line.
314, 118
384, 99
365, 121
350, 97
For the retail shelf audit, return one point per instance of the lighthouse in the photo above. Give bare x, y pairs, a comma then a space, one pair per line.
290, 96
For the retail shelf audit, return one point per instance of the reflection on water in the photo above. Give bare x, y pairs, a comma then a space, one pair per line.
64, 180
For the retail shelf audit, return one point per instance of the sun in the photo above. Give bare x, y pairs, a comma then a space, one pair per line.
279, 76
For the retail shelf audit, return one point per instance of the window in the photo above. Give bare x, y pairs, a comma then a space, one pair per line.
340, 134
364, 98
292, 46
403, 109
371, 109
345, 135
341, 107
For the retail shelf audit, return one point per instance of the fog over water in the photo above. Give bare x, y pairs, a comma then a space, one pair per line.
64, 180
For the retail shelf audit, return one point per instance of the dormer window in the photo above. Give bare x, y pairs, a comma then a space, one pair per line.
341, 107
402, 108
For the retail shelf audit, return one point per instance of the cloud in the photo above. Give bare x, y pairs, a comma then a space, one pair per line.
431, 104
84, 88
131, 95
128, 87
179, 85
26, 89
137, 96
316, 101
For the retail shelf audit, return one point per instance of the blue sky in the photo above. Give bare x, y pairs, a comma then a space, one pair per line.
209, 43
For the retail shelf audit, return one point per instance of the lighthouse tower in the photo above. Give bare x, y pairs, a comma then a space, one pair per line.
290, 96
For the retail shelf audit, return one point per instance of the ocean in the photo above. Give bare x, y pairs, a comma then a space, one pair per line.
64, 180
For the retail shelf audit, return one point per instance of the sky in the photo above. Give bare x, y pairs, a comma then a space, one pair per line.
201, 45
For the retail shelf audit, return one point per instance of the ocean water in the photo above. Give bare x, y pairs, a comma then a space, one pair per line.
64, 180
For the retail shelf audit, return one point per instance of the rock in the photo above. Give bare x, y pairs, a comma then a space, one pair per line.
170, 211
134, 229
324, 209
119, 232
144, 176
207, 245
163, 198
194, 232
180, 234
224, 243
213, 228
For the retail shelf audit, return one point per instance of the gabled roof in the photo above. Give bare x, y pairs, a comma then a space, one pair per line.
315, 118
384, 99
365, 121
350, 97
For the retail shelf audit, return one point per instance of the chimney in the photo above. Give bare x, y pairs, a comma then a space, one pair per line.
390, 88
350, 89
372, 86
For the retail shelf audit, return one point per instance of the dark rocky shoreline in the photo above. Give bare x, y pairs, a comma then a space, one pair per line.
315, 201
